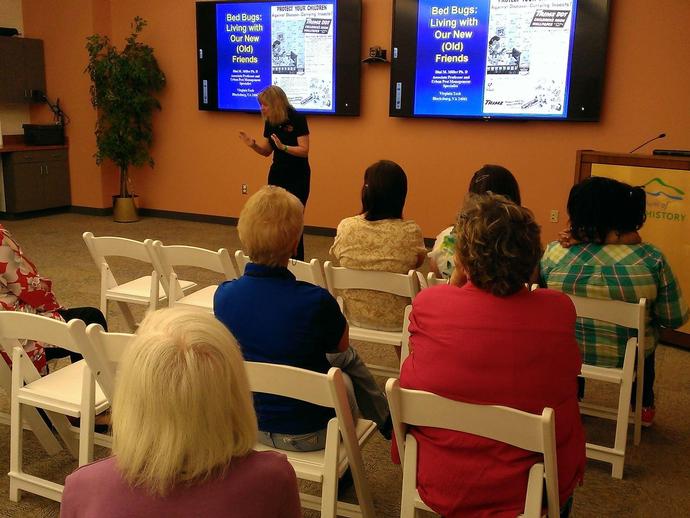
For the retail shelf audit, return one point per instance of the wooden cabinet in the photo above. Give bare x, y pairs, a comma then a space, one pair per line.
36, 180
23, 69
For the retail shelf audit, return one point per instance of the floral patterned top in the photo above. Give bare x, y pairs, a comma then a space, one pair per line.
23, 289
388, 245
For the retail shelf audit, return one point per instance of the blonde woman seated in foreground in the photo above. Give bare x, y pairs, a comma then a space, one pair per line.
183, 432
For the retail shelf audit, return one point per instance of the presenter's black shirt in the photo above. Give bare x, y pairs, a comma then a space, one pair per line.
288, 131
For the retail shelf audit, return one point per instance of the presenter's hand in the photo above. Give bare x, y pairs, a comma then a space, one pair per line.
248, 141
277, 141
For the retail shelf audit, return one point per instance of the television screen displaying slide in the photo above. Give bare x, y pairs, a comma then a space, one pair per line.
516, 59
310, 48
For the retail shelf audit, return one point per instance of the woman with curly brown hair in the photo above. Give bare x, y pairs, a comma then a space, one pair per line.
490, 340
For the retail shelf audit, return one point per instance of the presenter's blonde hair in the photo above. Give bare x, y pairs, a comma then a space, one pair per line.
182, 407
270, 225
274, 97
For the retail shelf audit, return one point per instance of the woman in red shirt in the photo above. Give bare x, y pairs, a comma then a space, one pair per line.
492, 341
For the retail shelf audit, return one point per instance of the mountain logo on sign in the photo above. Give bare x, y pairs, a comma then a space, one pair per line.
658, 188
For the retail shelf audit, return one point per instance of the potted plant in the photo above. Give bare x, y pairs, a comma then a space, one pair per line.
123, 88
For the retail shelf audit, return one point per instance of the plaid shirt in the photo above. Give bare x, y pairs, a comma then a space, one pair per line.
617, 272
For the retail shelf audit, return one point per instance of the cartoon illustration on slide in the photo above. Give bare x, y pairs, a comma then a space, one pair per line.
287, 49
548, 94
319, 93
500, 60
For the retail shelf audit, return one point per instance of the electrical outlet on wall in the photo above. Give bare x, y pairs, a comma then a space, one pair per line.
245, 189
554, 216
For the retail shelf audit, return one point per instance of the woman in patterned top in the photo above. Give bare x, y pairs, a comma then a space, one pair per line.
605, 259
490, 178
379, 239
22, 288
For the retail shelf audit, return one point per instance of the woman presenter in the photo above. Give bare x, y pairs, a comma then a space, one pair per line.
286, 136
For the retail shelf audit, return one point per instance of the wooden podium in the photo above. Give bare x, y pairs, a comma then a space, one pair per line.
666, 179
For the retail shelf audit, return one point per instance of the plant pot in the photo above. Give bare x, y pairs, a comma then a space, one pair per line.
125, 209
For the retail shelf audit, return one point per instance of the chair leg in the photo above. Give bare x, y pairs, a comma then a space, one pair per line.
623, 416
88, 417
617, 468
329, 486
409, 488
637, 415
16, 435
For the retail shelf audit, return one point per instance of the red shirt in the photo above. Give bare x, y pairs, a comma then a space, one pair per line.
517, 351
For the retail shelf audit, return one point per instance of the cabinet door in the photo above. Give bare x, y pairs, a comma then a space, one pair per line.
34, 66
56, 186
23, 69
12, 84
24, 187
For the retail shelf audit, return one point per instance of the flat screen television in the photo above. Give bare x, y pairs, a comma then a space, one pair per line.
499, 59
310, 48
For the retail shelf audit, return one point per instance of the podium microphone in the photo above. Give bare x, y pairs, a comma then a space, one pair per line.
660, 135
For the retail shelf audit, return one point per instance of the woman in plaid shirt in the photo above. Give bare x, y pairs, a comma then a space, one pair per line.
603, 257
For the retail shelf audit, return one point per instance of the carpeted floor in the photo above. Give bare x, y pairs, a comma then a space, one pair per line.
657, 473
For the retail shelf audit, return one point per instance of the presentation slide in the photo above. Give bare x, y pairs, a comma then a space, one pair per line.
288, 44
494, 57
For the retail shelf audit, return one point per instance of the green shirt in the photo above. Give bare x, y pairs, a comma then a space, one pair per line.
617, 272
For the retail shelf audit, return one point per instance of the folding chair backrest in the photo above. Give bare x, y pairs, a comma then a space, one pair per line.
303, 271
283, 380
626, 314
432, 280
110, 246
182, 255
103, 352
523, 430
242, 261
403, 284
16, 325
106, 246
307, 272
166, 257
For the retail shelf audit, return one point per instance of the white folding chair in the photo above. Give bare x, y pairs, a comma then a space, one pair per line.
167, 257
404, 285
344, 436
70, 391
308, 272
432, 280
530, 432
145, 290
626, 314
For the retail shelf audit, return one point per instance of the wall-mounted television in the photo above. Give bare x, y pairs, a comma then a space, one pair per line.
310, 48
499, 59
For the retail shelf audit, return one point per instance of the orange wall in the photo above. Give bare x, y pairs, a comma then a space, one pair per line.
200, 163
